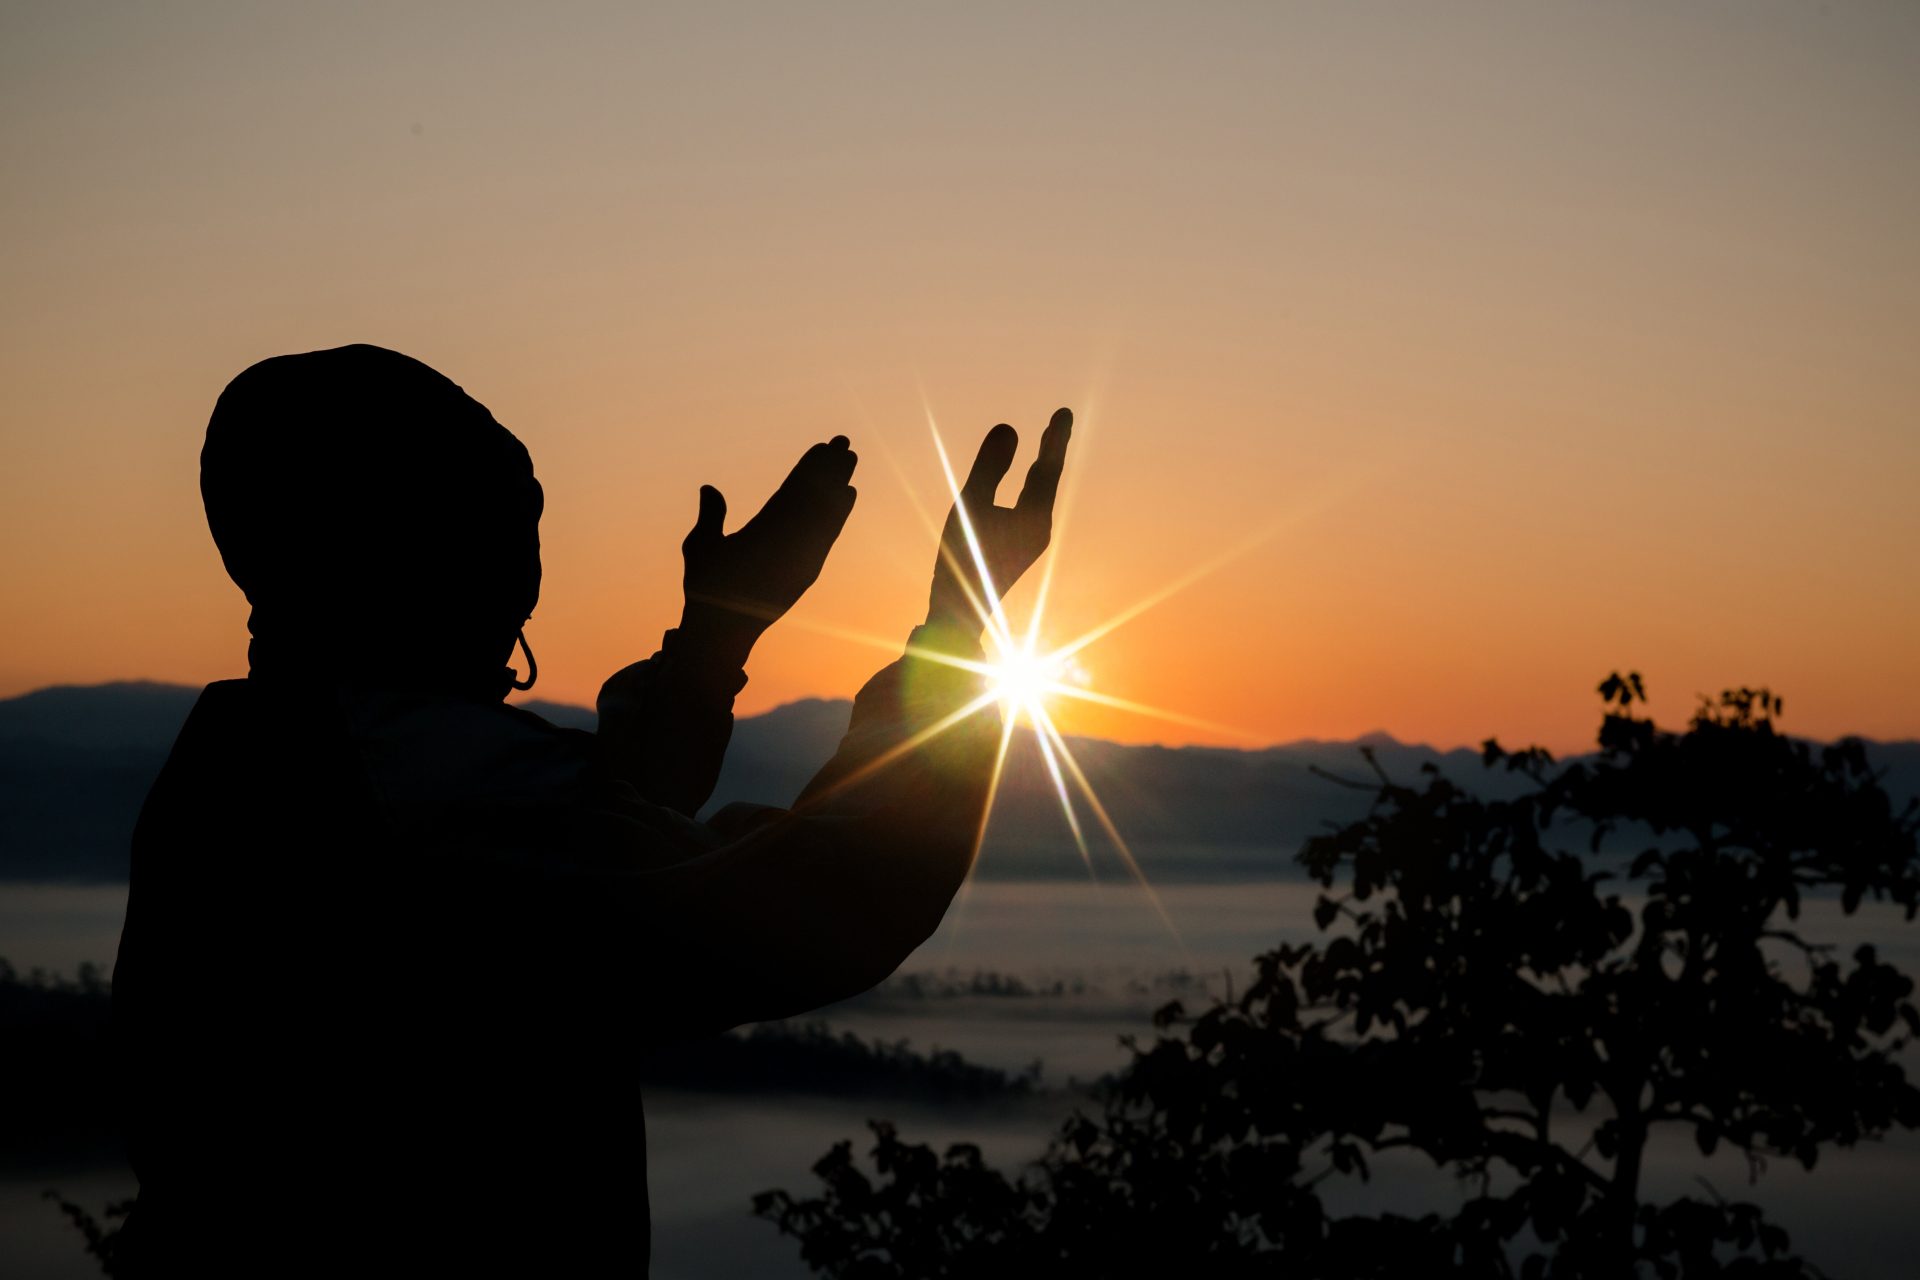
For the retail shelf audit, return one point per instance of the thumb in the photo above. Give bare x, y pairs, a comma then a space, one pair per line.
710, 525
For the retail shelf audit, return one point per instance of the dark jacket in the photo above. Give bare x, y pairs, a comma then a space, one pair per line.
390, 957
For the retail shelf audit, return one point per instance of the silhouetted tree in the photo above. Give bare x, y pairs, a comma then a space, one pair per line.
102, 1237
1486, 999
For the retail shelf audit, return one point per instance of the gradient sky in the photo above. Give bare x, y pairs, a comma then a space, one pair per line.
1538, 339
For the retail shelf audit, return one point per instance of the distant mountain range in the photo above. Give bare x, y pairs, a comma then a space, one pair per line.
76, 762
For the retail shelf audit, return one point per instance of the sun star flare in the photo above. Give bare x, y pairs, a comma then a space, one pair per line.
1026, 677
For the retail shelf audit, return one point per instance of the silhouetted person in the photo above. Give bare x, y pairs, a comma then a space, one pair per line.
393, 947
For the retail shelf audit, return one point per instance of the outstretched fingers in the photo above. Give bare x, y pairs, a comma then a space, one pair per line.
837, 467
826, 465
824, 474
1043, 477
710, 525
989, 467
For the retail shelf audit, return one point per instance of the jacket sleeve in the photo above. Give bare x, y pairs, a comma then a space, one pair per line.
665, 723
813, 903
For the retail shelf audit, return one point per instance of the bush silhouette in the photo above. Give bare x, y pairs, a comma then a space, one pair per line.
1489, 1002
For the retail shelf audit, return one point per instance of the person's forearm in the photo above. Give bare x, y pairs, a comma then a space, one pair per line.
815, 904
665, 722
830, 898
923, 695
721, 637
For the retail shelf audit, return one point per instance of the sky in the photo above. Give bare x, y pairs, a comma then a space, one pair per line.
1478, 349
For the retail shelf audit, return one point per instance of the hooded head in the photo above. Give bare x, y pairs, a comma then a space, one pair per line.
383, 526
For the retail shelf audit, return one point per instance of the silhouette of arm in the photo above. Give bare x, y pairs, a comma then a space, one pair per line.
825, 900
710, 926
665, 722
701, 926
822, 901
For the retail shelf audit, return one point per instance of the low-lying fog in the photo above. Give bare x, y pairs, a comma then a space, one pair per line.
1075, 966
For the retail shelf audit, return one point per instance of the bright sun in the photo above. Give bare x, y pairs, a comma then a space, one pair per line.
1022, 680
1027, 680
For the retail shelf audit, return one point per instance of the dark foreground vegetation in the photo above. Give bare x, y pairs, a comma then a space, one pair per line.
1488, 1000
812, 1058
55, 1030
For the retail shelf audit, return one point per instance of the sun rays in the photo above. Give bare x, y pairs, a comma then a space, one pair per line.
1027, 676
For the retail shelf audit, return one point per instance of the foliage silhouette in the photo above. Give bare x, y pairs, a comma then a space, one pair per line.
55, 1029
102, 1237
1487, 1000
809, 1057
57, 1054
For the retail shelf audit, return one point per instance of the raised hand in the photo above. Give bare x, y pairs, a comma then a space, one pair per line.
1010, 538
738, 584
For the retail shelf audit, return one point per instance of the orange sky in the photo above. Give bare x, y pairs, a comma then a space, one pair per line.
1555, 340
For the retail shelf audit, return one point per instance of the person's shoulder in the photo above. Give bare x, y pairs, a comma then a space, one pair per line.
500, 785
428, 754
530, 721
227, 712
223, 699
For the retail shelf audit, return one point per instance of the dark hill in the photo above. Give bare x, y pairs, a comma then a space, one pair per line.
75, 764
